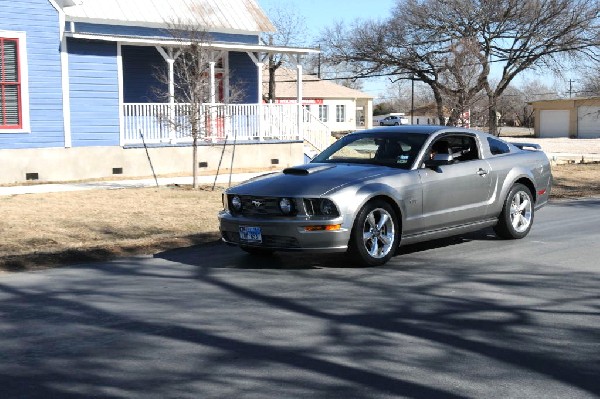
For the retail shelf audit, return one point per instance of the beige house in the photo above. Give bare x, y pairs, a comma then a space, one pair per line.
338, 107
427, 115
574, 118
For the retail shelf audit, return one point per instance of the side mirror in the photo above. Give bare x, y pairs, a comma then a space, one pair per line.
439, 160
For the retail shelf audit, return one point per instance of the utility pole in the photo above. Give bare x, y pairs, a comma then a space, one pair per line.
319, 64
570, 87
412, 97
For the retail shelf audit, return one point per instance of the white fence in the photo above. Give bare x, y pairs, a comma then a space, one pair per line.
171, 123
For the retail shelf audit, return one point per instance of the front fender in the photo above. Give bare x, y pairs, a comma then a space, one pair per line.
353, 202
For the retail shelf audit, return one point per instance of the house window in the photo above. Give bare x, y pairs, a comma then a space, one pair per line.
14, 109
340, 113
306, 113
323, 113
10, 85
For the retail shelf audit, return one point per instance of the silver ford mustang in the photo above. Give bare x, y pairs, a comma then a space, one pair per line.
374, 190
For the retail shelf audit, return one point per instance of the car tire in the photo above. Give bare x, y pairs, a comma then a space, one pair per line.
517, 214
255, 251
380, 123
396, 124
375, 235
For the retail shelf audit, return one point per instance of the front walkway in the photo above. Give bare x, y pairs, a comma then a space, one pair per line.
222, 179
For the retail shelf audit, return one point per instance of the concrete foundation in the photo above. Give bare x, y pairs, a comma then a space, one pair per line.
81, 163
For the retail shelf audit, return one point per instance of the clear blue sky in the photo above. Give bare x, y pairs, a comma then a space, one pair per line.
320, 14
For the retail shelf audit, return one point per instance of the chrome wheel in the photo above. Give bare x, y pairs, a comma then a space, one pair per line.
517, 215
378, 233
520, 211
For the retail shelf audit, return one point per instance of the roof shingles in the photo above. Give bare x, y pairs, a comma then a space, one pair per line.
214, 15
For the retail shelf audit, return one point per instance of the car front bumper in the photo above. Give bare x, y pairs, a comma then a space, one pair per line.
286, 234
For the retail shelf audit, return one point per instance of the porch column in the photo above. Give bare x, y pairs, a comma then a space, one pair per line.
171, 62
259, 81
260, 65
299, 99
261, 110
170, 59
213, 113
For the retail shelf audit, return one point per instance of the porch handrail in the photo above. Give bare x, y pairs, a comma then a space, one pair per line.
169, 123
316, 133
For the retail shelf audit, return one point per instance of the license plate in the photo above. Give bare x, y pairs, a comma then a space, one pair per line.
250, 234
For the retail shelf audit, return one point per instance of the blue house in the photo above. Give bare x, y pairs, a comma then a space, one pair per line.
78, 89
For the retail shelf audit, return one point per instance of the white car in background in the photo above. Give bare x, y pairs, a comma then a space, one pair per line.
393, 120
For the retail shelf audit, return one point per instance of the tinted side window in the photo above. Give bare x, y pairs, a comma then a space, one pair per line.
498, 147
463, 148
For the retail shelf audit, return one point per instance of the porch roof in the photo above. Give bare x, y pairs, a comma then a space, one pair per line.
214, 15
227, 46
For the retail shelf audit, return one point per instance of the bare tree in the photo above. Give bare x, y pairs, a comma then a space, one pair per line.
290, 30
514, 104
191, 82
339, 73
591, 81
437, 39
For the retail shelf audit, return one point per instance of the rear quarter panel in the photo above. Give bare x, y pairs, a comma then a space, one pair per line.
532, 166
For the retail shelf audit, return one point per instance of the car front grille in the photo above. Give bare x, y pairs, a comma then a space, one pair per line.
260, 206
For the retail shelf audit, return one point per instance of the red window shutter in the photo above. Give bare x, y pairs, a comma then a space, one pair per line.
10, 85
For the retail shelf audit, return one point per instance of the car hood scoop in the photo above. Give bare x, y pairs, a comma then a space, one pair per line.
306, 169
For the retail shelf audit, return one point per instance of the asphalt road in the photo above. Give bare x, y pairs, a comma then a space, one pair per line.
473, 317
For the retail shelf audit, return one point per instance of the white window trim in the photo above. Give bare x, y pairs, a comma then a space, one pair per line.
324, 113
340, 109
24, 74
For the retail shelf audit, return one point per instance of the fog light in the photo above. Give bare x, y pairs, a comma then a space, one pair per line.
236, 203
286, 206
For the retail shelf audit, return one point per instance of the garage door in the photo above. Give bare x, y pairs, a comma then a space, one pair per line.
588, 122
554, 123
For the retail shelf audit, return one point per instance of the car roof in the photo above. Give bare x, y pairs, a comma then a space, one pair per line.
418, 129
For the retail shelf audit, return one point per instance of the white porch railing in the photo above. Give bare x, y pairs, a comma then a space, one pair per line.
316, 133
169, 123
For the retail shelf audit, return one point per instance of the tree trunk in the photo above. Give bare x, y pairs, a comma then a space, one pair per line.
195, 154
493, 120
439, 102
272, 69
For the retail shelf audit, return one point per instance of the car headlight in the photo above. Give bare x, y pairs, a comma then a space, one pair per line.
327, 207
321, 207
286, 206
236, 203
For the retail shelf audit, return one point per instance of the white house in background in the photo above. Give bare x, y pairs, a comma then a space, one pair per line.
573, 117
338, 107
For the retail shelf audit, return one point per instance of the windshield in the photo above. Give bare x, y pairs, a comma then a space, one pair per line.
397, 150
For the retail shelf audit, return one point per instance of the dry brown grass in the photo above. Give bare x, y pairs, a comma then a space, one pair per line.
40, 230
576, 180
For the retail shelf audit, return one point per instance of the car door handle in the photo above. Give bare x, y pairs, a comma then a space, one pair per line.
482, 172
